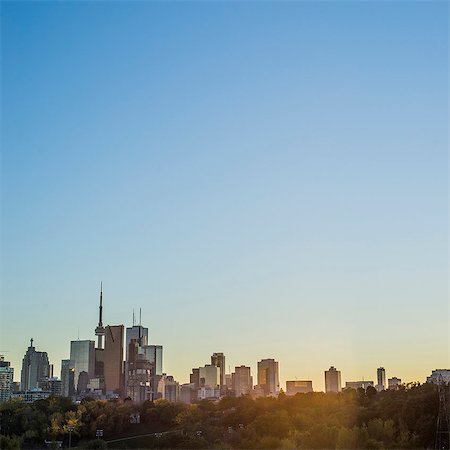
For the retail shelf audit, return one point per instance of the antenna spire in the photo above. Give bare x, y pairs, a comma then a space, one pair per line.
100, 316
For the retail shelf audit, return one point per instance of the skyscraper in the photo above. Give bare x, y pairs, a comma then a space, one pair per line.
218, 360
138, 374
381, 379
139, 334
6, 379
209, 376
333, 380
67, 378
82, 356
154, 354
268, 376
242, 381
35, 366
113, 358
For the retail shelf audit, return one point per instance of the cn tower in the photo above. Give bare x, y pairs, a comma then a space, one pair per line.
100, 331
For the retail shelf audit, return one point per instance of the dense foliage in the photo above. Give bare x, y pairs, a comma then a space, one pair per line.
351, 419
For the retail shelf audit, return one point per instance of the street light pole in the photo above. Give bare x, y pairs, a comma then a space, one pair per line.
70, 429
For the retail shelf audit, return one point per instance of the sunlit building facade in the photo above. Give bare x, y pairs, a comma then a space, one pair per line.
113, 359
82, 355
242, 381
381, 379
268, 376
333, 380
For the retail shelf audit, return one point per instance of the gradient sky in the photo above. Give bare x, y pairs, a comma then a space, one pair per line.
263, 179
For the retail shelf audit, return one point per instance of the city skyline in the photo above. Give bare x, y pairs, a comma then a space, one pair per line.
139, 332
266, 180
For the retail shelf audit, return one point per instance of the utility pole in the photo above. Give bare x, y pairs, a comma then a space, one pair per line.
443, 420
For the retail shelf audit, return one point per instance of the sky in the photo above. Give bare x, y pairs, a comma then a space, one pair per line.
263, 179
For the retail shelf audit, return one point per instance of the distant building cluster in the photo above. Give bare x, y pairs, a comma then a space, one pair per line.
123, 363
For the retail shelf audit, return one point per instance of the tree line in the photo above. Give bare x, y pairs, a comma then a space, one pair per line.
362, 419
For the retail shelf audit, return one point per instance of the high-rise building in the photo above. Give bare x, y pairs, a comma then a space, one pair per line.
218, 360
138, 374
154, 354
139, 334
333, 380
6, 379
35, 366
209, 376
268, 376
381, 379
82, 355
67, 378
113, 358
242, 381
298, 387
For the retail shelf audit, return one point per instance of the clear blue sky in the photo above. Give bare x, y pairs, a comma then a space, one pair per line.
264, 179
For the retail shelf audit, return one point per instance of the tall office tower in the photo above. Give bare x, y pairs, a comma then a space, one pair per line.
298, 387
138, 374
113, 358
35, 366
168, 388
242, 381
82, 355
67, 378
218, 360
6, 379
139, 334
333, 380
154, 354
268, 376
381, 379
100, 330
209, 376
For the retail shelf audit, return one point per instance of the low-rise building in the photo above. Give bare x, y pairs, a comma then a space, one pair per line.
298, 387
358, 384
394, 383
168, 388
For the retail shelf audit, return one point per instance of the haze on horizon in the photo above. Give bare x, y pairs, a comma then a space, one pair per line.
267, 180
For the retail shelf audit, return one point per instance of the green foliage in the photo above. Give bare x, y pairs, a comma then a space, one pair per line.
348, 420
